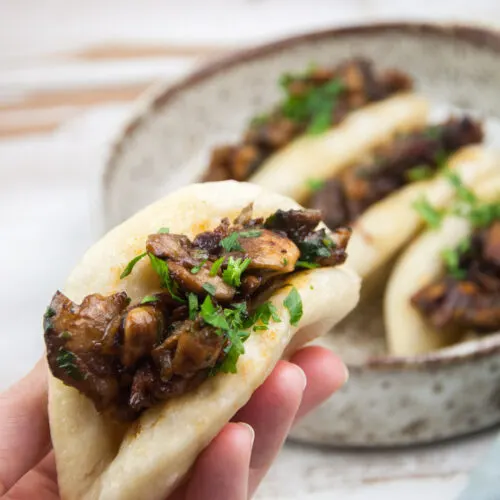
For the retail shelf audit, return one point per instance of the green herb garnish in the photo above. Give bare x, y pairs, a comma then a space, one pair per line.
65, 335
463, 193
441, 158
160, 267
264, 313
131, 264
430, 215
315, 106
284, 261
66, 360
235, 268
315, 184
451, 258
149, 298
233, 351
212, 315
192, 305
216, 266
163, 230
432, 132
306, 265
230, 243
209, 288
293, 303
253, 233
196, 269
419, 173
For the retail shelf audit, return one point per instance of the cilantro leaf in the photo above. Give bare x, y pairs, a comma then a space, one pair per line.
230, 243
211, 315
193, 305
306, 265
293, 303
196, 269
233, 351
463, 193
253, 233
131, 264
160, 267
149, 298
315, 184
451, 258
235, 268
209, 288
419, 173
430, 215
263, 314
163, 230
216, 266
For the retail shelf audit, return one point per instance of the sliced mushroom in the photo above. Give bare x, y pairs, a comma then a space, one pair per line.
197, 348
270, 251
142, 327
195, 282
171, 246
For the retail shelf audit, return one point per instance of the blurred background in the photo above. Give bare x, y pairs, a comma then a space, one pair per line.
71, 73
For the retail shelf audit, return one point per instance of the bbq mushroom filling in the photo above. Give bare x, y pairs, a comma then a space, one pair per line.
410, 157
127, 357
313, 102
467, 297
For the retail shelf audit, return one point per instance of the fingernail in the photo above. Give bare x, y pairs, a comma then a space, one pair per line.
250, 431
302, 376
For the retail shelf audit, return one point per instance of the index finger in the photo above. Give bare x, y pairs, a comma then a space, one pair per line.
24, 429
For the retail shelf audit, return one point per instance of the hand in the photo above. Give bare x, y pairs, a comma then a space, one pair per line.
230, 468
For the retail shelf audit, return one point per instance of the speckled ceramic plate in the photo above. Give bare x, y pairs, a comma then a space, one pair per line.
387, 401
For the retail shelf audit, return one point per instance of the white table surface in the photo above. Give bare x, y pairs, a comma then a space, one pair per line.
69, 72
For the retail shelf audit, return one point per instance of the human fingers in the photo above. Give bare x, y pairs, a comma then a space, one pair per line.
24, 429
325, 373
271, 412
221, 471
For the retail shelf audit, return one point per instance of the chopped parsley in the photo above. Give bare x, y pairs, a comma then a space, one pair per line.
284, 261
441, 158
230, 243
306, 265
209, 288
131, 264
235, 268
148, 299
160, 267
432, 132
66, 360
263, 314
430, 215
196, 269
163, 230
451, 258
253, 233
216, 266
315, 246
192, 305
419, 173
233, 350
293, 303
65, 335
314, 107
463, 193
49, 312
212, 315
315, 184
